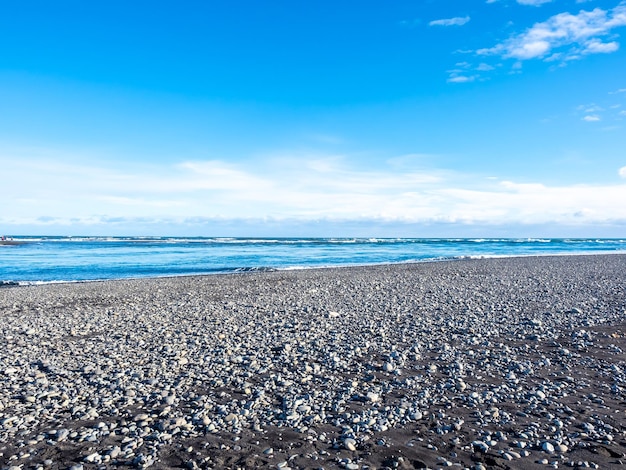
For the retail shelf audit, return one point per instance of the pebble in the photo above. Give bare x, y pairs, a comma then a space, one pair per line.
349, 444
62, 434
481, 446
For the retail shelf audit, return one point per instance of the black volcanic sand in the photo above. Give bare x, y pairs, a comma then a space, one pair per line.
499, 363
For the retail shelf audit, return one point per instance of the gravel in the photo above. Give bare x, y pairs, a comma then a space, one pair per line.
496, 363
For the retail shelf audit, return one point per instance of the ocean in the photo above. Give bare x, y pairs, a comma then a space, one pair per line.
34, 260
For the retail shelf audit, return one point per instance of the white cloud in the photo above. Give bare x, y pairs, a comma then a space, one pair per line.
564, 36
462, 74
457, 21
536, 203
533, 2
466, 72
591, 108
461, 78
306, 187
605, 112
595, 46
214, 175
410, 161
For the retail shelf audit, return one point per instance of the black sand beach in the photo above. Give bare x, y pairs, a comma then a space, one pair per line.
501, 363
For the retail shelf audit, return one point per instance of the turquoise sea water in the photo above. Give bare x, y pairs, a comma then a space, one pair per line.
54, 259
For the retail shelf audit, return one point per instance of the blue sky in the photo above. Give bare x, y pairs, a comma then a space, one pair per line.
398, 118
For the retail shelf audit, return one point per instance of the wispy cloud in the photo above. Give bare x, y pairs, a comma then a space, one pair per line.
212, 175
456, 21
535, 3
306, 187
482, 67
456, 78
608, 111
622, 172
564, 37
466, 72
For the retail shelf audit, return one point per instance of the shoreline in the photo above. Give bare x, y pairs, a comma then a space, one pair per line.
513, 362
262, 269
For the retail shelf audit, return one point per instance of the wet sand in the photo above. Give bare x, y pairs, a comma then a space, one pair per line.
500, 363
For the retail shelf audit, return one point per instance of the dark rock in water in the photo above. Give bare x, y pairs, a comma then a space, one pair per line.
8, 284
